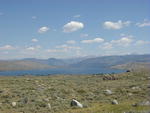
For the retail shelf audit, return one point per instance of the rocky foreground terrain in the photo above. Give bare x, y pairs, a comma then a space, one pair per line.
113, 93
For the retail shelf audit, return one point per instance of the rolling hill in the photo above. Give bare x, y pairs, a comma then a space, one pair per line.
133, 66
22, 65
109, 61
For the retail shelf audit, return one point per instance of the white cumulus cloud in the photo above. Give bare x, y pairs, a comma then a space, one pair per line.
72, 26
71, 42
96, 40
84, 35
43, 29
106, 45
116, 25
33, 48
142, 42
34, 40
30, 48
77, 16
143, 24
7, 47
65, 46
124, 41
55, 50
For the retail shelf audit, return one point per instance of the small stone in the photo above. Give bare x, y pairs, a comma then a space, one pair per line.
130, 94
148, 78
36, 81
25, 100
108, 92
49, 105
145, 103
135, 105
114, 102
14, 104
136, 87
46, 99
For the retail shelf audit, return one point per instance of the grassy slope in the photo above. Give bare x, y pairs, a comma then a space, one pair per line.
59, 90
21, 65
133, 66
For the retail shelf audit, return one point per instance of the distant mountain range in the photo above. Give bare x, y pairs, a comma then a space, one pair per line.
22, 65
133, 66
50, 61
108, 61
83, 62
56, 62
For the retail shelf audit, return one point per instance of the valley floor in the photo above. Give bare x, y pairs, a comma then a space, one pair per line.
53, 94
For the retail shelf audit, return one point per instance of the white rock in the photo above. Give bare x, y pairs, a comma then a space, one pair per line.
36, 81
14, 104
49, 105
76, 103
130, 94
46, 99
114, 102
145, 103
136, 87
108, 92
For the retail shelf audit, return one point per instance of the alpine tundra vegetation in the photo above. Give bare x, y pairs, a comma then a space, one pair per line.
53, 94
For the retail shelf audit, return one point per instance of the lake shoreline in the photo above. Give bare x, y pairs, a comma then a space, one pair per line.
63, 71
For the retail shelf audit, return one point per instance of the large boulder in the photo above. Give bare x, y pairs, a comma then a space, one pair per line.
110, 77
114, 102
76, 103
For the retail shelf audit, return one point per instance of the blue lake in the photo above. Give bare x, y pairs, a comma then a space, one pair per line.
61, 71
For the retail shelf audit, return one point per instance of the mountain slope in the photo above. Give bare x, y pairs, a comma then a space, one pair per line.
50, 61
97, 62
56, 62
22, 65
133, 66
108, 61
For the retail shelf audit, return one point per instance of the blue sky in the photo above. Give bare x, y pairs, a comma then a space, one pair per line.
73, 28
